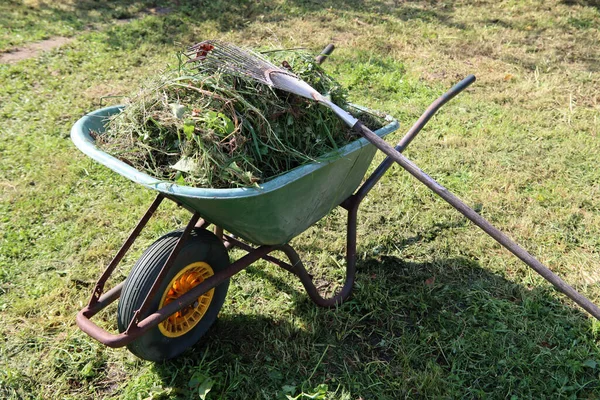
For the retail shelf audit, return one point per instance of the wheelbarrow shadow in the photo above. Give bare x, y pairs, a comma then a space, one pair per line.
449, 316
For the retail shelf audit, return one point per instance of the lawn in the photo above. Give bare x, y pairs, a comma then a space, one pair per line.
439, 309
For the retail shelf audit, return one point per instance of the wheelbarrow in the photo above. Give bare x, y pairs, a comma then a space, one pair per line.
174, 292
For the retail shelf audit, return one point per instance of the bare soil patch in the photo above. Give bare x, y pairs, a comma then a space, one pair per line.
33, 49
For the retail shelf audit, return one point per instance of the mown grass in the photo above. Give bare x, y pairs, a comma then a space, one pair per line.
439, 310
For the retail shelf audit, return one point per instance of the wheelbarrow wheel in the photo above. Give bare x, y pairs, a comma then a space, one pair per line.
202, 256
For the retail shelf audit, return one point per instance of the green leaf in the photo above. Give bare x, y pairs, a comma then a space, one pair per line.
288, 389
274, 374
196, 379
188, 129
178, 110
233, 166
179, 178
319, 393
205, 387
228, 125
590, 363
202, 383
88, 370
211, 115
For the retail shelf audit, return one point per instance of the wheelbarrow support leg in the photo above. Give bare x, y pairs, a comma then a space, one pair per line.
352, 203
99, 288
296, 267
312, 291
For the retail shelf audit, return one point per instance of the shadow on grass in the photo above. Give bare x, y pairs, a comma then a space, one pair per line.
583, 3
442, 328
174, 21
228, 15
174, 18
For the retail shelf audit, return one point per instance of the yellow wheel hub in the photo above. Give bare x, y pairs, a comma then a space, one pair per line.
187, 318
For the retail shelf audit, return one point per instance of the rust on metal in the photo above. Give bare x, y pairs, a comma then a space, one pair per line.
99, 288
133, 332
165, 269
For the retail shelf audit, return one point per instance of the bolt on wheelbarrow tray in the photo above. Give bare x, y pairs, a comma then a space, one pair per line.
270, 214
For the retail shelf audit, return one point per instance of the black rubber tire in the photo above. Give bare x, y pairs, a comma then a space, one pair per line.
201, 245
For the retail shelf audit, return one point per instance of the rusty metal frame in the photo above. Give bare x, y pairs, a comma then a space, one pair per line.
138, 327
351, 204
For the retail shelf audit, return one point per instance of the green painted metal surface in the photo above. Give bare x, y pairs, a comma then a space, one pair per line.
273, 213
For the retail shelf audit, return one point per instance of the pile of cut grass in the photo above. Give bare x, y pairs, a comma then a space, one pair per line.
209, 129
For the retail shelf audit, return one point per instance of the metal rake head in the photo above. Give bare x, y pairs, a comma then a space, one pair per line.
226, 57
219, 55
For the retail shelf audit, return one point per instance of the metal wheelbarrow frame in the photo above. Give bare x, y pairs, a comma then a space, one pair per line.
326, 184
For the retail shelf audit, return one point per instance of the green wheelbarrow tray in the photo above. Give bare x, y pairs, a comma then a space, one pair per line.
270, 214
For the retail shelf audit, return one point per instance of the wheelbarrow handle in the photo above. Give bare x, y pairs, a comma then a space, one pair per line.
432, 109
478, 220
412, 133
325, 53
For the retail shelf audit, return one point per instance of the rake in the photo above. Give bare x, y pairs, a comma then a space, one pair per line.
226, 57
